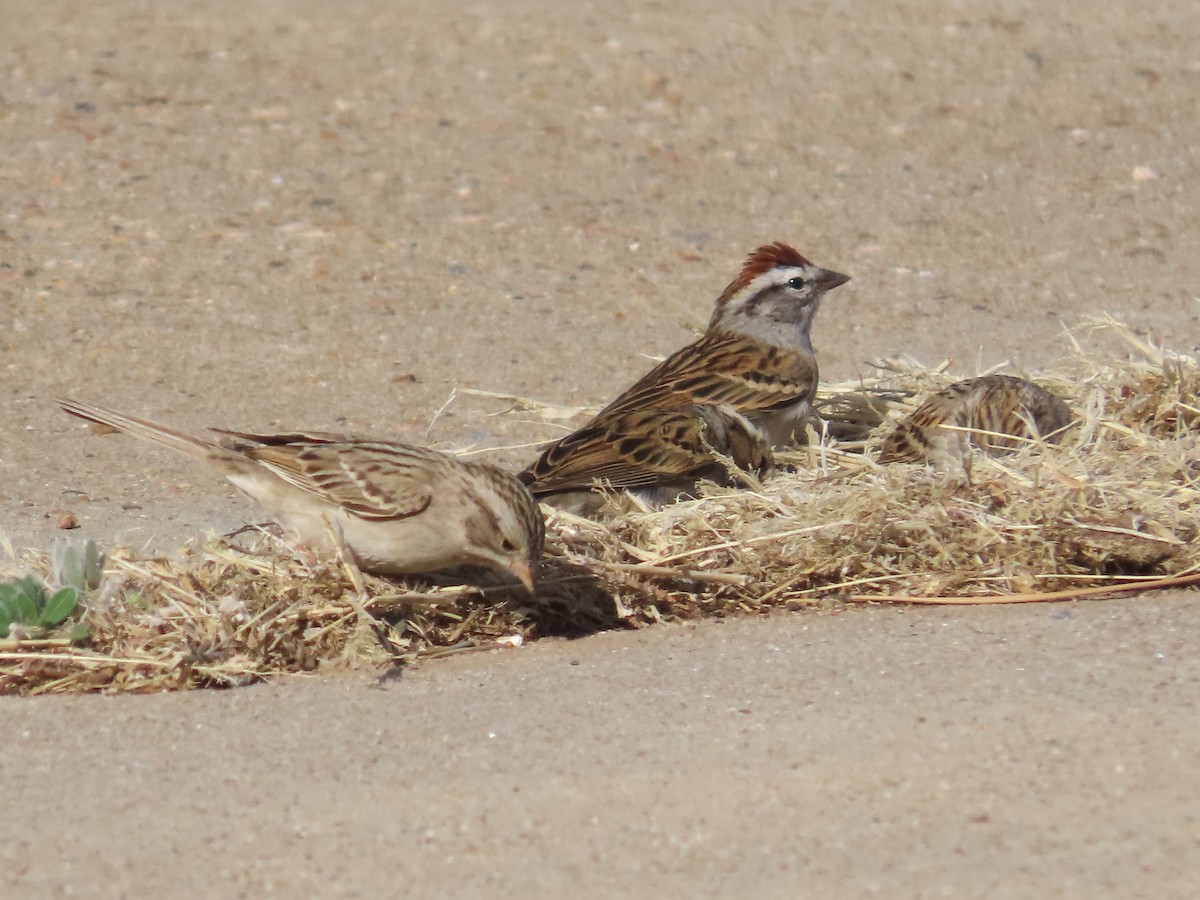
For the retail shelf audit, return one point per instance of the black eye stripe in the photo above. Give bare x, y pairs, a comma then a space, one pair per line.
751, 305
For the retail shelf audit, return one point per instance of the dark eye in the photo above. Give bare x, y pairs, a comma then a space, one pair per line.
797, 283
507, 546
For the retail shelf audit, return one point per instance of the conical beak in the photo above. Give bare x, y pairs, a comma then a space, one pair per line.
827, 280
524, 574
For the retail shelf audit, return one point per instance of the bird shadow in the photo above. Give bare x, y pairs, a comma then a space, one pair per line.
572, 602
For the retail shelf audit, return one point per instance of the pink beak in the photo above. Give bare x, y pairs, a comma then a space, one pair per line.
524, 574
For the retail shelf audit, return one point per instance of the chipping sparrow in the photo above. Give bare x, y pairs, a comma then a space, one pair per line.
997, 413
756, 359
658, 454
395, 508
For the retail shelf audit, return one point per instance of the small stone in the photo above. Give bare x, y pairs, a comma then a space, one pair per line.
67, 521
1144, 173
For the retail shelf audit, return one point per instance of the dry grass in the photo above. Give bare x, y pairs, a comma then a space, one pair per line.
1114, 507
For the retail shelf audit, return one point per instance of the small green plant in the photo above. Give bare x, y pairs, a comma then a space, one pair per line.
79, 566
34, 609
31, 609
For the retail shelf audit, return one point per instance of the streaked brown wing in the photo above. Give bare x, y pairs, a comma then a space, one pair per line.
374, 480
995, 410
1006, 412
725, 369
643, 448
913, 439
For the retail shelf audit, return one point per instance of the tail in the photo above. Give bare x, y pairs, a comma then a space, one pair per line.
159, 434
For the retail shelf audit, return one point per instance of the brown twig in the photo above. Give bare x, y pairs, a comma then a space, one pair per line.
1156, 584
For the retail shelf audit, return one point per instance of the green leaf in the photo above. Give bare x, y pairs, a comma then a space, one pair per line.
65, 564
93, 565
33, 589
24, 604
5, 620
60, 605
80, 634
77, 565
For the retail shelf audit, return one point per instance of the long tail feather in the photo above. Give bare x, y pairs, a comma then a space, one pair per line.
151, 431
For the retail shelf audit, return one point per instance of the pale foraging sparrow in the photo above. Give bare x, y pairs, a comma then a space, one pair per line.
755, 358
996, 413
395, 509
658, 454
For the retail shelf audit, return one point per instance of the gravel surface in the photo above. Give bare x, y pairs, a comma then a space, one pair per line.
312, 215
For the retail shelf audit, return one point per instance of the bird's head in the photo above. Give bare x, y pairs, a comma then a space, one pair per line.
505, 528
774, 297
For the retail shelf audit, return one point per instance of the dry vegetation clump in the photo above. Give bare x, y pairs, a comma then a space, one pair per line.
1115, 506
235, 609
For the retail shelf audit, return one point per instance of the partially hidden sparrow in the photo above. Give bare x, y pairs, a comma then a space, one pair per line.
658, 454
755, 359
996, 413
393, 508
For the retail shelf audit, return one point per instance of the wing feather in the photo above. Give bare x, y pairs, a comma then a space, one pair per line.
717, 369
996, 413
643, 448
372, 480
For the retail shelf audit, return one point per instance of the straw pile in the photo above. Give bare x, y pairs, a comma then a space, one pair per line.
1114, 507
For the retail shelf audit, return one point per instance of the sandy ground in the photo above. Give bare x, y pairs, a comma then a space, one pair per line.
314, 215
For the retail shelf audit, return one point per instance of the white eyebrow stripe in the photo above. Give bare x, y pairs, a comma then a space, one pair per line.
775, 277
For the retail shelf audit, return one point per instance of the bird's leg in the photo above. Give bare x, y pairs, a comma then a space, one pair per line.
968, 461
349, 565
